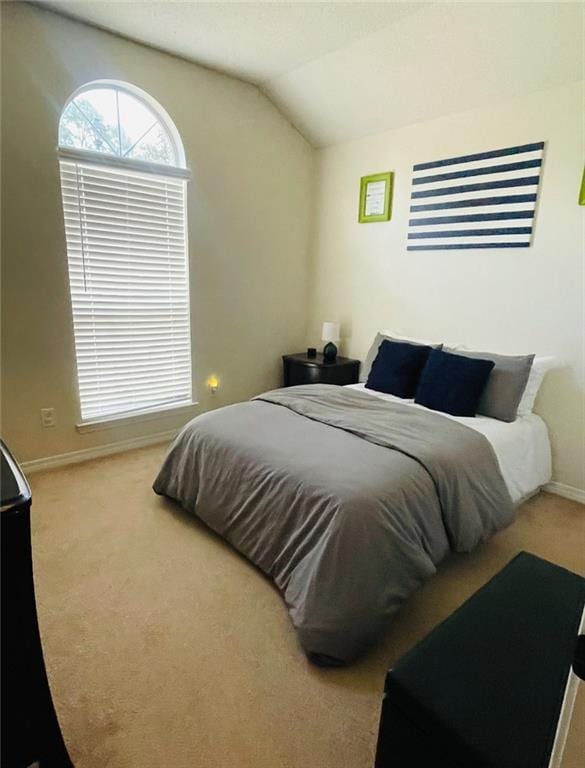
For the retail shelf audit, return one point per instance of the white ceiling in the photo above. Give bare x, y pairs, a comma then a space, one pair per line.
448, 58
255, 41
342, 70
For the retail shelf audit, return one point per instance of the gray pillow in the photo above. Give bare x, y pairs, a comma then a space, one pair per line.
505, 385
373, 351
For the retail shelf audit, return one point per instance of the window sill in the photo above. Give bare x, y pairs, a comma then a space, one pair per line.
120, 420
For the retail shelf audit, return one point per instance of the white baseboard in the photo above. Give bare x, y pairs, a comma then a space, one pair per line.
567, 491
62, 459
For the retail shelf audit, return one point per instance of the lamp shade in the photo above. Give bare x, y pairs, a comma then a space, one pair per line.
330, 332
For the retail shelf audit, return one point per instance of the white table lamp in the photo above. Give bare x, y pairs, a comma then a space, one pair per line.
330, 334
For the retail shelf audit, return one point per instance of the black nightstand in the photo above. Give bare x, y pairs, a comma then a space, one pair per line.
300, 369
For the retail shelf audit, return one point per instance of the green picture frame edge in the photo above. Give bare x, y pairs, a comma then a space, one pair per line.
388, 177
582, 190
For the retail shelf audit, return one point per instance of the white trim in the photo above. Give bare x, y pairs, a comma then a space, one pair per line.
112, 161
567, 491
566, 713
120, 420
85, 454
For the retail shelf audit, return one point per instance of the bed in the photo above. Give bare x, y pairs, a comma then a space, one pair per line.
522, 447
348, 499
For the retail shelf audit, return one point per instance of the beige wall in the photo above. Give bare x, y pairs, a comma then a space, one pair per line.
511, 300
248, 225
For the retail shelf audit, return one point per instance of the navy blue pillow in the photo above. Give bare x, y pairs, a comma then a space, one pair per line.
453, 383
397, 368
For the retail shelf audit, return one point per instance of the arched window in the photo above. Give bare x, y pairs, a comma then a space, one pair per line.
123, 182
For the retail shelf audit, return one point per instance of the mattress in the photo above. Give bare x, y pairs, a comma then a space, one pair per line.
522, 447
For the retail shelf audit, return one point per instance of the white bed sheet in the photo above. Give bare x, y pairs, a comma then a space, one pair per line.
522, 447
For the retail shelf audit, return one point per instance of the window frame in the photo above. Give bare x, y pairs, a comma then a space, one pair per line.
153, 106
180, 171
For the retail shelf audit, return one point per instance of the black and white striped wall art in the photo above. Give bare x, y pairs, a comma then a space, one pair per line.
486, 200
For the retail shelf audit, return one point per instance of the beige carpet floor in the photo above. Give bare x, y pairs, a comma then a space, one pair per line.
167, 649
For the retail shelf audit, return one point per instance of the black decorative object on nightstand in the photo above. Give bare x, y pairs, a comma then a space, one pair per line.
329, 352
301, 369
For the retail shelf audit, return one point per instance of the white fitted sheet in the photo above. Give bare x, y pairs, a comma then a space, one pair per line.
522, 447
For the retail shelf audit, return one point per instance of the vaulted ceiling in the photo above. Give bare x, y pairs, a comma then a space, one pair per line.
342, 70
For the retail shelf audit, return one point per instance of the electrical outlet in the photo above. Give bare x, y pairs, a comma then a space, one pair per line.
48, 417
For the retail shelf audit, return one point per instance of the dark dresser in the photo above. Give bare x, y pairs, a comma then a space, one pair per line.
30, 730
300, 369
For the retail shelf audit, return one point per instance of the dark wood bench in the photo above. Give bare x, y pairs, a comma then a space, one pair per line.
492, 685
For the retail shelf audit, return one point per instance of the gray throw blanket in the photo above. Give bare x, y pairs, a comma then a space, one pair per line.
346, 501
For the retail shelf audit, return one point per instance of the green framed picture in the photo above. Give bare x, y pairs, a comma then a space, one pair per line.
376, 197
582, 192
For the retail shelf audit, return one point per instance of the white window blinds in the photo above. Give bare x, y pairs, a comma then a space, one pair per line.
128, 270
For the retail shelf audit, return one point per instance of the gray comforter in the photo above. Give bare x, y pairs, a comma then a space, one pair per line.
346, 501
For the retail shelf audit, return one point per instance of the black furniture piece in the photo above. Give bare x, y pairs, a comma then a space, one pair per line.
301, 369
30, 730
486, 688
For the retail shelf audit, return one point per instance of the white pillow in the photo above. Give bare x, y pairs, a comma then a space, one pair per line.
540, 367
404, 337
